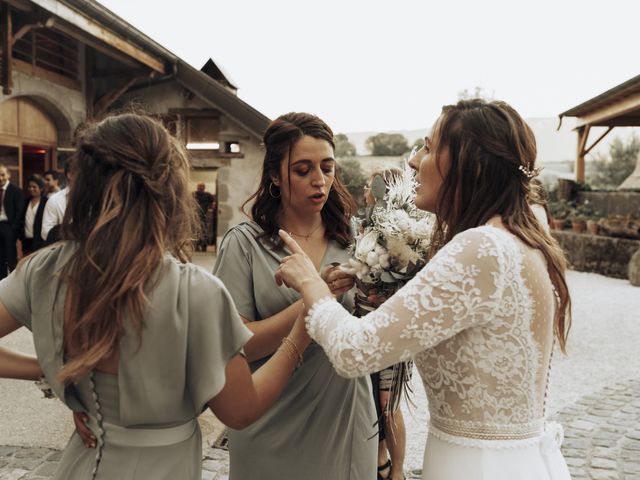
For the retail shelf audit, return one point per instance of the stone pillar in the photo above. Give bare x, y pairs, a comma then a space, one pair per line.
633, 181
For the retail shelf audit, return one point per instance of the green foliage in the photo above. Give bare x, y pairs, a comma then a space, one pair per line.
352, 176
344, 148
608, 171
387, 144
559, 209
478, 92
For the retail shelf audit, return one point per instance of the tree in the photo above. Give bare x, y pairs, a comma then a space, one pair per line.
344, 148
608, 171
353, 178
478, 92
387, 144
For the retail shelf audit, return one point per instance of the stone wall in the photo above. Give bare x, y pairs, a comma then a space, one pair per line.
237, 177
613, 203
597, 254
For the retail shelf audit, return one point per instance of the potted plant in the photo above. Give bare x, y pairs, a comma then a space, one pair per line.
559, 211
592, 223
579, 217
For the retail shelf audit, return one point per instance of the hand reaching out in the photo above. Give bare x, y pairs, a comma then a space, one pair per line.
297, 268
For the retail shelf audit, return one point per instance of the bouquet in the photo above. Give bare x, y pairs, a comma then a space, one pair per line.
391, 245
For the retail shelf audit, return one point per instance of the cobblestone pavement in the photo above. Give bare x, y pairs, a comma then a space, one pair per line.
602, 442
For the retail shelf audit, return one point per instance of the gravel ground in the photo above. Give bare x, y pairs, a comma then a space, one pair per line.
602, 350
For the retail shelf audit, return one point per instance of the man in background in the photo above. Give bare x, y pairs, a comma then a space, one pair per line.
11, 203
52, 182
55, 208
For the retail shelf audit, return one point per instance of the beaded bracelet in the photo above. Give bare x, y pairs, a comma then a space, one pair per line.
292, 350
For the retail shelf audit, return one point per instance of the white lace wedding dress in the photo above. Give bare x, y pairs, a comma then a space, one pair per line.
478, 321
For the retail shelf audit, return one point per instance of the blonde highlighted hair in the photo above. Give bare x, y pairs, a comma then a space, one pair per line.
130, 203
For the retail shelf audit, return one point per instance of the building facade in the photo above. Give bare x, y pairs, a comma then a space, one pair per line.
67, 62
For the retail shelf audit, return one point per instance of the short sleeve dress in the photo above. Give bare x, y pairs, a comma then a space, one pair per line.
322, 425
144, 417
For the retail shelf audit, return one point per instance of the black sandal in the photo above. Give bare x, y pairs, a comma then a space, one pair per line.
384, 467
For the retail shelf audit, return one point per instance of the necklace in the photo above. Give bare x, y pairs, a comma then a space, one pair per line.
306, 237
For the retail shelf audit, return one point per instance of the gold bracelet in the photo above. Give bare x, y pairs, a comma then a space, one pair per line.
291, 345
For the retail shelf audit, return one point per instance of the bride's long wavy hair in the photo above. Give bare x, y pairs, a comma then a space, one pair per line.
129, 204
488, 144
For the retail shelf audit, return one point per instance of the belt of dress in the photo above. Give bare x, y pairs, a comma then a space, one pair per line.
142, 437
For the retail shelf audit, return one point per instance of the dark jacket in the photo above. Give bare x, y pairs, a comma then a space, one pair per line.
13, 203
37, 222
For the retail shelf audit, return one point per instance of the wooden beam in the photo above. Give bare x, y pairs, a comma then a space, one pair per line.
620, 108
598, 140
99, 32
583, 134
108, 98
7, 51
22, 5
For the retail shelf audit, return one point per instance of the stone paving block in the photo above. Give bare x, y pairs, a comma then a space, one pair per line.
24, 463
7, 451
15, 474
32, 453
211, 465
577, 443
575, 461
55, 456
603, 475
207, 475
605, 452
583, 425
604, 463
47, 469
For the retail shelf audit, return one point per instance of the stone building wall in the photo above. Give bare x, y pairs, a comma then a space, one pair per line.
613, 203
596, 253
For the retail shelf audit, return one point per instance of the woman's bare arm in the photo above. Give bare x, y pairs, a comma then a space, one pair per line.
13, 364
245, 397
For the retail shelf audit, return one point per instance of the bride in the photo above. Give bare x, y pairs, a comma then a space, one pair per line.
481, 319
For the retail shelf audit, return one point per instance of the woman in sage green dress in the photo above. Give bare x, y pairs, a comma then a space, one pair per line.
124, 329
322, 426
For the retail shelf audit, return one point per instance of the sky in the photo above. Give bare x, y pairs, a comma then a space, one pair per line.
370, 65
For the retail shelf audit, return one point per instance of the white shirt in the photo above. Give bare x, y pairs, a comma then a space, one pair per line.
29, 218
54, 211
3, 214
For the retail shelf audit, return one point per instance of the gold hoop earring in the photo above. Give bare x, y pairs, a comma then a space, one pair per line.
271, 192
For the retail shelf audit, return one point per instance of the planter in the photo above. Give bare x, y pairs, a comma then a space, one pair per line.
593, 227
557, 223
578, 226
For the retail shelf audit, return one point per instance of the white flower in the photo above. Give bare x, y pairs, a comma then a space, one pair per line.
367, 243
384, 260
372, 258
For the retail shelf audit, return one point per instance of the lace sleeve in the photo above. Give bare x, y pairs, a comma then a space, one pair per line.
459, 288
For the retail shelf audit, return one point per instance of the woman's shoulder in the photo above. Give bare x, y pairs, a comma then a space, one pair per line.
248, 234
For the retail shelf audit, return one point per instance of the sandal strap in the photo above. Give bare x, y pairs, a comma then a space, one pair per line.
385, 466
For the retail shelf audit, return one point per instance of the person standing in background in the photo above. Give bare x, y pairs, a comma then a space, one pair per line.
204, 200
32, 214
52, 182
11, 201
55, 208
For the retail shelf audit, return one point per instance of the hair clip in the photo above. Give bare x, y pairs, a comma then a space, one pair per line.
530, 172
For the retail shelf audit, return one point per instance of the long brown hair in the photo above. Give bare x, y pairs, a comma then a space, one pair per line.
489, 147
129, 204
279, 139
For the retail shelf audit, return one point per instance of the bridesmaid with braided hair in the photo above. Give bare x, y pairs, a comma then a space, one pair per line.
127, 331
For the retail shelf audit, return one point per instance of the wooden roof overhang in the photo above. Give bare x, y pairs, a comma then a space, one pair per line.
617, 107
